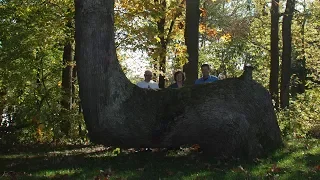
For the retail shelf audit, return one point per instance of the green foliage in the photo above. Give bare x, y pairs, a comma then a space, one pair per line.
32, 37
137, 29
233, 35
302, 115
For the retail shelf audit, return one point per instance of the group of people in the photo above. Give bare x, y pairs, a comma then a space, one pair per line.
179, 78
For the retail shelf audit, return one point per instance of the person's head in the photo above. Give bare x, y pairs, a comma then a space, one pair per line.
147, 76
179, 76
221, 76
205, 69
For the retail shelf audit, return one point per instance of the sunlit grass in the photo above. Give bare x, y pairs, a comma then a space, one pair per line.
57, 173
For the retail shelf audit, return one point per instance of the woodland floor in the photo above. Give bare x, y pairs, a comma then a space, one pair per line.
299, 159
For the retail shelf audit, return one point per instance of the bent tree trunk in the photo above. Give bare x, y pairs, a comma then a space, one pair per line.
233, 117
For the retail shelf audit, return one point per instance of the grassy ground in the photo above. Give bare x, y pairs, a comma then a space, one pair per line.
299, 159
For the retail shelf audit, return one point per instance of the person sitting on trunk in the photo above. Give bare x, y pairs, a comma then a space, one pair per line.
179, 80
148, 83
206, 77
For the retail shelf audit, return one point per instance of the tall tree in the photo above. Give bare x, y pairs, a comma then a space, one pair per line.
67, 76
274, 70
163, 44
119, 113
286, 54
67, 72
192, 40
299, 45
32, 39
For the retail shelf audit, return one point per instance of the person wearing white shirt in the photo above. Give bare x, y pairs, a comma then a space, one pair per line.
148, 83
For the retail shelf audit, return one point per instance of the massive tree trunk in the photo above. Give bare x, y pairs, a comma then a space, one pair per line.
233, 117
286, 54
192, 40
274, 70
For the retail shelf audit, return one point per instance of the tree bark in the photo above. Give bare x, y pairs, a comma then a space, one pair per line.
302, 65
286, 54
67, 76
163, 45
274, 70
234, 117
192, 40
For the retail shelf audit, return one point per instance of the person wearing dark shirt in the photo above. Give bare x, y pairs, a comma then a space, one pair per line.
179, 80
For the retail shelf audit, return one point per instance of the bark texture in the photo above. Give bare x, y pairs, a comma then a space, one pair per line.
192, 40
233, 117
286, 54
274, 70
67, 77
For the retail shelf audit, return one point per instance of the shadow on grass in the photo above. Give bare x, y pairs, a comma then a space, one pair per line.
88, 165
99, 162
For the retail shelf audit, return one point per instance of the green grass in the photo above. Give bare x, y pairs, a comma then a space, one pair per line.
299, 159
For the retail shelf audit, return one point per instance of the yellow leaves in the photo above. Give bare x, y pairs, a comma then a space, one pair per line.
59, 84
203, 12
211, 32
202, 28
226, 37
157, 38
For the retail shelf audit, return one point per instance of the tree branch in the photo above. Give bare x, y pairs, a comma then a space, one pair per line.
178, 13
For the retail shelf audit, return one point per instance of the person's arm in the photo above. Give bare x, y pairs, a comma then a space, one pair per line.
215, 78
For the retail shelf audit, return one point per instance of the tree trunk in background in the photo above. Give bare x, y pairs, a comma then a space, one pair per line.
192, 40
67, 87
274, 71
163, 44
67, 76
74, 82
203, 20
286, 54
67, 80
118, 113
302, 72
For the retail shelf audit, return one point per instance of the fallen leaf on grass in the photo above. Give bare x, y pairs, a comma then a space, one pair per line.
104, 174
317, 168
195, 147
155, 149
170, 173
257, 160
275, 168
140, 169
239, 169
